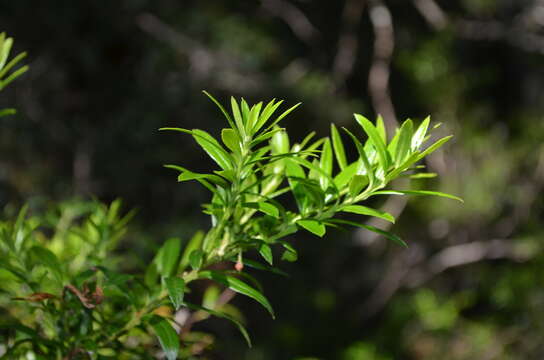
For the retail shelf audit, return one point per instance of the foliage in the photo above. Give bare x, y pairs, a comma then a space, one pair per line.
65, 299
5, 67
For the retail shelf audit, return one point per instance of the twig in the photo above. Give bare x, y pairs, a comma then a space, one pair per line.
297, 21
432, 13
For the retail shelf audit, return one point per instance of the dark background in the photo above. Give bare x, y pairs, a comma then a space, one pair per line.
105, 75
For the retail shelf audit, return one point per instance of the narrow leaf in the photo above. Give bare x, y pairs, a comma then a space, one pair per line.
167, 257
338, 146
266, 253
168, 338
376, 140
223, 315
403, 145
176, 289
417, 192
363, 210
225, 113
387, 234
238, 286
419, 135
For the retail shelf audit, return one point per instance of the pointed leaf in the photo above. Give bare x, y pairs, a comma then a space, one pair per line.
238, 286
362, 155
176, 289
168, 338
230, 139
223, 315
387, 234
363, 210
313, 226
419, 135
417, 192
338, 146
196, 258
376, 140
213, 149
266, 253
167, 257
403, 145
225, 113
237, 117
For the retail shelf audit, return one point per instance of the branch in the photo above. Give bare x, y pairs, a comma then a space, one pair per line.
294, 18
432, 13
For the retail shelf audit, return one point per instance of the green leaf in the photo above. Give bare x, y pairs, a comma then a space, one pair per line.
403, 145
253, 117
168, 338
167, 257
213, 149
225, 113
434, 146
49, 259
376, 140
238, 286
417, 192
6, 112
357, 184
230, 139
269, 109
196, 258
284, 114
266, 253
338, 146
423, 176
380, 126
387, 234
237, 117
364, 159
265, 207
223, 315
192, 245
326, 164
363, 210
257, 265
419, 135
346, 174
176, 289
290, 254
313, 226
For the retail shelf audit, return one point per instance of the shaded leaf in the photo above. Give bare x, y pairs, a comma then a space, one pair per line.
176, 289
238, 286
168, 338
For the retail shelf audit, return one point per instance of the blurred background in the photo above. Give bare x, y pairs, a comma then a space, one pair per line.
105, 75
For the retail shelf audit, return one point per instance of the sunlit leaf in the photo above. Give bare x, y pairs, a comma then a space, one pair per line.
313, 226
363, 210
417, 192
376, 139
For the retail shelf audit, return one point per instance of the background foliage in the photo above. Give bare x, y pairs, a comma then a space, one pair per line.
104, 76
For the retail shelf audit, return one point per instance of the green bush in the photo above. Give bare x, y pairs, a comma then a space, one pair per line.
63, 296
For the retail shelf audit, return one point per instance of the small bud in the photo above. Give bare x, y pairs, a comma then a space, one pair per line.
239, 266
